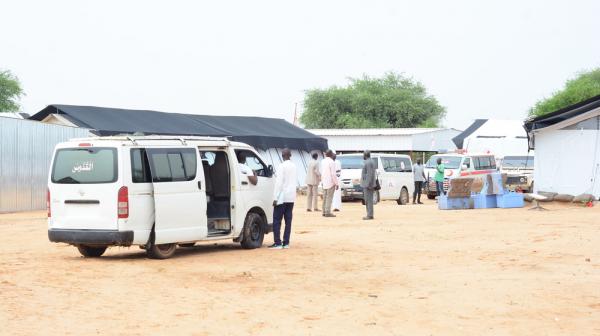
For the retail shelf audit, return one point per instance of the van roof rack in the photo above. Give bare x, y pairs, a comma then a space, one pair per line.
135, 138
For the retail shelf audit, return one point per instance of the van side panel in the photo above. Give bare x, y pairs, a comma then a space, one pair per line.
141, 203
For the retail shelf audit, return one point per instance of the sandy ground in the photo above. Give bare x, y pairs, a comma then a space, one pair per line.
414, 270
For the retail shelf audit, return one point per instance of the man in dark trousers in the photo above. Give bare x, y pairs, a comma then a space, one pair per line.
284, 197
420, 178
367, 182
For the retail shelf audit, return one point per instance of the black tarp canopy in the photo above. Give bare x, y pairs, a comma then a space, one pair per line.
259, 132
562, 114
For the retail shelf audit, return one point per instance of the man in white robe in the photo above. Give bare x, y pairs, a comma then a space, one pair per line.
336, 203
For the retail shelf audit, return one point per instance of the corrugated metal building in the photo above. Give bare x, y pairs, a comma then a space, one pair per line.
404, 140
25, 152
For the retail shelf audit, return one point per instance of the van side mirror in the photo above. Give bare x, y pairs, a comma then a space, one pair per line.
270, 170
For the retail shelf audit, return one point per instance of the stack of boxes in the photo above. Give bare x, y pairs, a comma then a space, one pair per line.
480, 192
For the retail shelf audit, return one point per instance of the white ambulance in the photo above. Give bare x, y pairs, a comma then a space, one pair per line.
157, 192
457, 164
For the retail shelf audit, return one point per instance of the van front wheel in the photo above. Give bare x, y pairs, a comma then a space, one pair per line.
161, 251
253, 234
91, 251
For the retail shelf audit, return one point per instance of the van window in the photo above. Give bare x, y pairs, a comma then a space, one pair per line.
253, 161
172, 164
450, 162
140, 169
467, 162
484, 162
405, 164
354, 161
87, 165
396, 164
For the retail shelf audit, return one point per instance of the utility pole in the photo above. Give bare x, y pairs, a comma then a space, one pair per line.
295, 114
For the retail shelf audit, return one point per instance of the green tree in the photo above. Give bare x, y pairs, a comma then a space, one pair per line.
10, 92
390, 101
586, 85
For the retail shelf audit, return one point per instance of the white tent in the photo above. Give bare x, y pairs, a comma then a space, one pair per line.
494, 136
567, 145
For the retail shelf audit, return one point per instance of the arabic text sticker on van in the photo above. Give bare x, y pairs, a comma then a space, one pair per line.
156, 192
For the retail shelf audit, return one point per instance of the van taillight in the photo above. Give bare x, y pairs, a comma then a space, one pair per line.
123, 203
48, 203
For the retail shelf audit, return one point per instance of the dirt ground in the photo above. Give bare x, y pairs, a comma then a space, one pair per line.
414, 270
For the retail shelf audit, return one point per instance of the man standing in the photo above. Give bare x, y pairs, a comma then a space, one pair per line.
284, 197
367, 182
313, 178
419, 173
336, 203
330, 182
439, 177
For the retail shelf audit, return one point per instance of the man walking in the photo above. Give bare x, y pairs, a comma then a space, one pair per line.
367, 182
313, 178
336, 203
330, 182
439, 177
284, 197
419, 173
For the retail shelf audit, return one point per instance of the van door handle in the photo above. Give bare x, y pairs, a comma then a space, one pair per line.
200, 185
244, 183
82, 202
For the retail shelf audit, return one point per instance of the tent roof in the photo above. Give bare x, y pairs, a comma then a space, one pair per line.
256, 131
459, 139
562, 114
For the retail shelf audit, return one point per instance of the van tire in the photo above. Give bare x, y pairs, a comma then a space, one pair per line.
253, 233
404, 197
91, 251
161, 251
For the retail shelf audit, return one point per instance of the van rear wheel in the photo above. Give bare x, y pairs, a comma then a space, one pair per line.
161, 251
404, 197
253, 233
91, 251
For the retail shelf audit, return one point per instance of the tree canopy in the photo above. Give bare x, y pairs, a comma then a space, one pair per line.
586, 85
10, 92
390, 101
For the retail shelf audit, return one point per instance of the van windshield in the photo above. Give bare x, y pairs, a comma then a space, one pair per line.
85, 165
518, 161
450, 162
351, 161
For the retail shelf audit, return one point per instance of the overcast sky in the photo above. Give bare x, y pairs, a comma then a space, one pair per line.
481, 59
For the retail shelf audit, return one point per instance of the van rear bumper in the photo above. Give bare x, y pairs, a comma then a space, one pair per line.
91, 237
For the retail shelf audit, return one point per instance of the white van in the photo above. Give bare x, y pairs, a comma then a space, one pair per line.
157, 192
457, 165
394, 172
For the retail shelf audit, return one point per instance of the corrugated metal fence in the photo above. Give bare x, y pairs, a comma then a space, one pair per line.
25, 152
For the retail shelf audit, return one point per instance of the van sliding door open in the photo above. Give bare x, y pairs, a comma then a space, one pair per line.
179, 195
